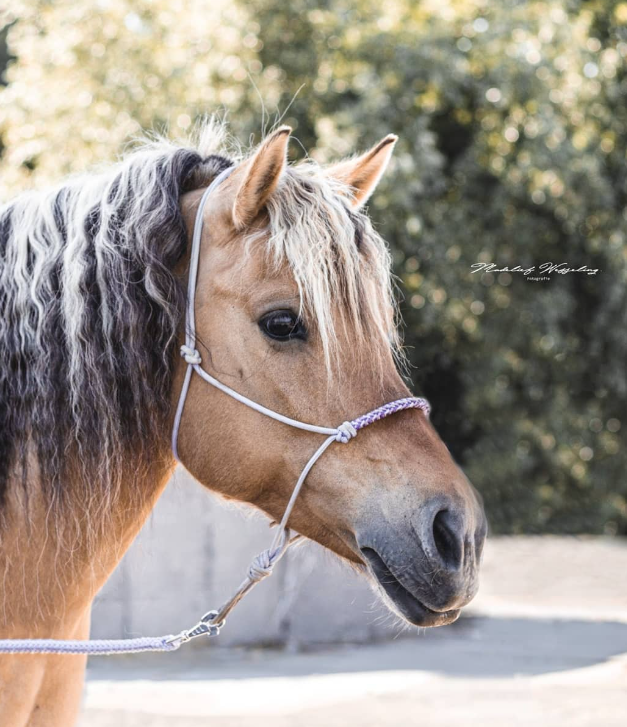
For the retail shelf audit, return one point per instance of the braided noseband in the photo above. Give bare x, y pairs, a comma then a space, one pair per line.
262, 564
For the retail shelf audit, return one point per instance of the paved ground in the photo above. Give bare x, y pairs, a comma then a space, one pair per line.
546, 645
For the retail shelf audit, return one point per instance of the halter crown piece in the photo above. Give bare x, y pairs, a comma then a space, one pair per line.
263, 564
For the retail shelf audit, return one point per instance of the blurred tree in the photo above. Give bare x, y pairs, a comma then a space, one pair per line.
90, 77
4, 53
513, 123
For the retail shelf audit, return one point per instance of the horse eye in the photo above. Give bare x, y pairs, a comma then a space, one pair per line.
282, 325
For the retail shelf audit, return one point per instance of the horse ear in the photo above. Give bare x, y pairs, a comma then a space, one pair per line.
261, 176
362, 173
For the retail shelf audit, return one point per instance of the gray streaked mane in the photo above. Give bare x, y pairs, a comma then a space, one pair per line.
89, 313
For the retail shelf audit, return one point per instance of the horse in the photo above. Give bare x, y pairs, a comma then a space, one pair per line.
295, 309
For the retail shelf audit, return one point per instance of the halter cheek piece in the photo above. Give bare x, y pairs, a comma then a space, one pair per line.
262, 564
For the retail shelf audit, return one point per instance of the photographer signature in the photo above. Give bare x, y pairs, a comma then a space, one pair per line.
534, 272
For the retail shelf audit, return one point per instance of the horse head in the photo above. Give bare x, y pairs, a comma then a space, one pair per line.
294, 310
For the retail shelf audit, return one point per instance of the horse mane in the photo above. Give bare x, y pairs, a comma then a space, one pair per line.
90, 307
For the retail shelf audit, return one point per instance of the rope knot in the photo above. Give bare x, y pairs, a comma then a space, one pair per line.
261, 567
345, 432
191, 355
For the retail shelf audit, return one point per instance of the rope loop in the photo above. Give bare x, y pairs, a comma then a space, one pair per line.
345, 432
191, 355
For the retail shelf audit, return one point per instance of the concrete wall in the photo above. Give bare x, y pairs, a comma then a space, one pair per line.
195, 550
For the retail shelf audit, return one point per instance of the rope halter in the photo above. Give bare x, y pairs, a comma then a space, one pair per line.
263, 564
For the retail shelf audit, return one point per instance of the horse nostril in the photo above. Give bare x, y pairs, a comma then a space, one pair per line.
447, 542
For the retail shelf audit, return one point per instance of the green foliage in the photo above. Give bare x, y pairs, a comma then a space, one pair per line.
512, 120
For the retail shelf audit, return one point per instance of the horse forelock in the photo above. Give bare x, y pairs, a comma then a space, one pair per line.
332, 251
90, 307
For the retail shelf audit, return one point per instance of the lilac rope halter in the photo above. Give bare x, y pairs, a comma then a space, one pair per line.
263, 564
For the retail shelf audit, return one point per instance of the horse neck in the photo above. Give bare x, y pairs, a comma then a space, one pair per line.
55, 563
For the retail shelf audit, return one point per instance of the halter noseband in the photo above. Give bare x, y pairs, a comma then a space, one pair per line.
262, 565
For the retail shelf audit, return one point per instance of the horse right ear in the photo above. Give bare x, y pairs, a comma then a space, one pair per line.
261, 177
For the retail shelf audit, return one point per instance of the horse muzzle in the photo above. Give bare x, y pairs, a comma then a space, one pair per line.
427, 571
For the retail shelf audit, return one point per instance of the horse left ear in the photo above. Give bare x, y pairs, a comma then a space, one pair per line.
261, 176
362, 173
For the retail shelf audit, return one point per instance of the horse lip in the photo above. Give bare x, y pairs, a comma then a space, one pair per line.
402, 601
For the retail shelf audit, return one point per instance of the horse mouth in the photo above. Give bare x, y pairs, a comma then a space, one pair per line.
400, 600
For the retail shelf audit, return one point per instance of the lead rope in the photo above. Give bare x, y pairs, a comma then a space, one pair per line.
263, 564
